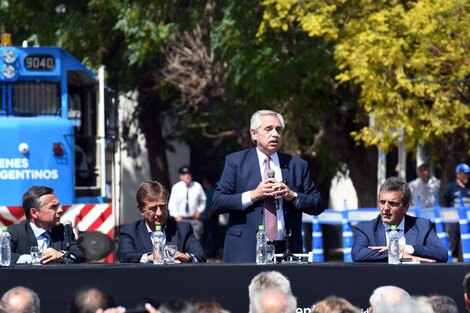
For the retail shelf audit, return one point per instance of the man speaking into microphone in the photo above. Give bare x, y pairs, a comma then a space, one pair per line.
43, 229
254, 181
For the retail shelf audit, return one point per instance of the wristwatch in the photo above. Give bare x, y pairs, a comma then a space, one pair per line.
295, 200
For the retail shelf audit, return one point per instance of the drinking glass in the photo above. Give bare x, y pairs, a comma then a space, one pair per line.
270, 251
36, 255
170, 253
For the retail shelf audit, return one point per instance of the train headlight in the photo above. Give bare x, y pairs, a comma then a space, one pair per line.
23, 147
8, 71
9, 55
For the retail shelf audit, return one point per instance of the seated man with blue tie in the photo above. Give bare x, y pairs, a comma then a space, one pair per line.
135, 240
418, 240
43, 229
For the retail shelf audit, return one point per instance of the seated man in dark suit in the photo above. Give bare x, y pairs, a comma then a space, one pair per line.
135, 243
43, 229
418, 240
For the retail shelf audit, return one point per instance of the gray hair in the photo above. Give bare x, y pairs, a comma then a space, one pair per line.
413, 305
397, 184
269, 279
255, 122
272, 300
384, 298
30, 301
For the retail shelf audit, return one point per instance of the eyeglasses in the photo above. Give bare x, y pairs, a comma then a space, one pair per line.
392, 204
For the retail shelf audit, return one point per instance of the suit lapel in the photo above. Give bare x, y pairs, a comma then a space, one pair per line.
411, 233
380, 234
143, 232
31, 237
170, 232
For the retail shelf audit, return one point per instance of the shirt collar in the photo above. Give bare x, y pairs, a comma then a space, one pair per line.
38, 231
262, 157
400, 227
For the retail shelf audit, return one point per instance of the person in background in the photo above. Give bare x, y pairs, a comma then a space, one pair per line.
210, 219
177, 306
269, 279
455, 189
443, 304
466, 291
135, 239
21, 300
89, 300
210, 306
425, 187
42, 228
188, 201
272, 300
333, 304
253, 198
418, 240
385, 298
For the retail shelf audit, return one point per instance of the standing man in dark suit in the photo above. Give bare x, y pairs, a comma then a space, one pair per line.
418, 240
135, 240
42, 228
247, 192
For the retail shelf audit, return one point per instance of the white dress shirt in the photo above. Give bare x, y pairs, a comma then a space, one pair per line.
196, 199
401, 236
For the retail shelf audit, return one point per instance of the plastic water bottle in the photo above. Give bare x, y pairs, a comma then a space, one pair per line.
261, 245
5, 246
159, 241
393, 246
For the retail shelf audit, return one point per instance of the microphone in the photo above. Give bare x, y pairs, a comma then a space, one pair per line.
67, 234
270, 173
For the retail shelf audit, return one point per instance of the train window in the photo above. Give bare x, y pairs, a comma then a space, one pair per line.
33, 98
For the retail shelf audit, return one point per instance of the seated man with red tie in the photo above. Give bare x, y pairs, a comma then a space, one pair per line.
418, 240
43, 229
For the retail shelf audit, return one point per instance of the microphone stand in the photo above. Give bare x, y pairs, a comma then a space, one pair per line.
288, 255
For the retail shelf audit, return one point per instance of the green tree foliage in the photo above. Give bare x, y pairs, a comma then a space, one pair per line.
410, 58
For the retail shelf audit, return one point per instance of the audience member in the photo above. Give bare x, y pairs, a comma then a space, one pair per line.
272, 300
42, 228
466, 291
177, 306
209, 307
334, 304
413, 305
443, 304
247, 193
89, 300
418, 240
269, 279
455, 189
426, 187
135, 240
149, 308
21, 300
188, 201
384, 299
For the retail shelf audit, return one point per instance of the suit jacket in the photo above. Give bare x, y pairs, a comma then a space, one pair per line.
134, 240
418, 233
22, 238
241, 173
